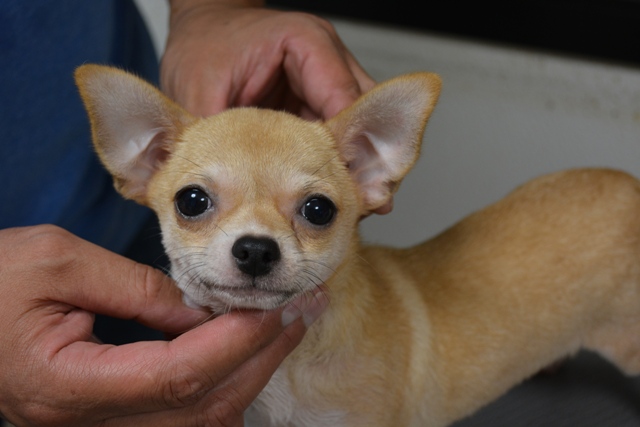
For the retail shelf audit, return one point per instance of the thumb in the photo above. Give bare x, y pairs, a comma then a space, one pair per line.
78, 273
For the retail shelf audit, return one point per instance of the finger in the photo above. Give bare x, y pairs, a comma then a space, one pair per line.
99, 281
211, 96
365, 81
159, 375
202, 89
238, 390
241, 334
327, 78
343, 96
199, 373
225, 403
207, 97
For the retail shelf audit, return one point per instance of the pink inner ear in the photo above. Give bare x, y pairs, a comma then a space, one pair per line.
369, 169
146, 164
156, 153
380, 135
360, 153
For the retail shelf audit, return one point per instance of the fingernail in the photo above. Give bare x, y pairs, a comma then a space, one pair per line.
307, 306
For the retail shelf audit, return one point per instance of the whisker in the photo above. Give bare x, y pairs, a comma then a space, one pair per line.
319, 263
325, 164
188, 160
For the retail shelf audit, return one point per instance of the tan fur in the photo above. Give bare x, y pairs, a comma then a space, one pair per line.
413, 337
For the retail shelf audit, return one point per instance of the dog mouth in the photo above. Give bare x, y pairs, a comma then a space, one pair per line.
253, 292
249, 297
222, 292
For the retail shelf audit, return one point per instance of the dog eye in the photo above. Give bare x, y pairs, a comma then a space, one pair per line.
318, 210
192, 202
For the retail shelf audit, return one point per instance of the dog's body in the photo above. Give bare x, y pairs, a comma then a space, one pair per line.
463, 317
258, 206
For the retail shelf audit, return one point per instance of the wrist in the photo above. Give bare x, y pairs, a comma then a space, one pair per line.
184, 8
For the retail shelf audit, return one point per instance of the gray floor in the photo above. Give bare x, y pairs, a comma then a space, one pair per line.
585, 392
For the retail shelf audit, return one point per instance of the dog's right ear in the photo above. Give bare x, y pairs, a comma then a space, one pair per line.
379, 136
133, 125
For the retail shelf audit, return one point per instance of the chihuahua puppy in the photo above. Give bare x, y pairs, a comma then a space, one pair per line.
257, 207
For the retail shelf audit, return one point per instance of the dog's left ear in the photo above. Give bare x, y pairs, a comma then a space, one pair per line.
134, 126
380, 135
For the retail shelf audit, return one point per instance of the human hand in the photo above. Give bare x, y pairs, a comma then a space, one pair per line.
54, 373
222, 54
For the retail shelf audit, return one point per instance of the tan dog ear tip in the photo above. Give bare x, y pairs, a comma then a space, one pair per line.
423, 75
434, 80
80, 73
85, 72
426, 81
85, 69
431, 80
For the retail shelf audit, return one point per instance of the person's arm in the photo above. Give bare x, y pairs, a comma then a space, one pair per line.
226, 53
53, 372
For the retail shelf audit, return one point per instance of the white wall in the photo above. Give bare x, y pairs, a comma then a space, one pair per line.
504, 116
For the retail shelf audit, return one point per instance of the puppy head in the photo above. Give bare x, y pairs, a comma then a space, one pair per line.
256, 206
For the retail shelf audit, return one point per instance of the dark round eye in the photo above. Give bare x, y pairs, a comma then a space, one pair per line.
192, 202
318, 210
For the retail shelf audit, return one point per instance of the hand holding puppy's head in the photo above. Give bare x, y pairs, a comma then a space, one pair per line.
256, 206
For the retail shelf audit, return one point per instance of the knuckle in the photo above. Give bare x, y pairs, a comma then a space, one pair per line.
186, 388
53, 246
45, 416
225, 411
307, 18
151, 284
49, 238
147, 278
302, 24
291, 339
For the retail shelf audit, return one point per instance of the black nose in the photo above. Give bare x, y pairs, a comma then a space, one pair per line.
255, 256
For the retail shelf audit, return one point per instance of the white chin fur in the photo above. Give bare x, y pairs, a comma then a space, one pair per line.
189, 302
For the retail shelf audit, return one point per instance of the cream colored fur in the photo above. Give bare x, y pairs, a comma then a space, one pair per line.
413, 337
